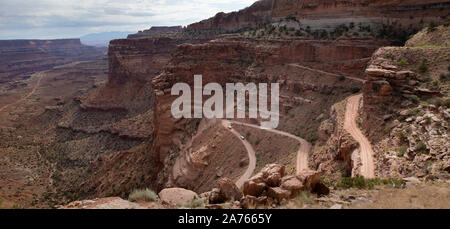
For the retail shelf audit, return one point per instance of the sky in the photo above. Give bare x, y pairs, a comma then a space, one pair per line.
52, 19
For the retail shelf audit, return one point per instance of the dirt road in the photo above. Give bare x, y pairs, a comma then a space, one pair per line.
302, 153
350, 125
325, 73
38, 83
251, 154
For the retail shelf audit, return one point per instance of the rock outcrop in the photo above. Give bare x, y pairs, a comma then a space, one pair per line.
271, 185
404, 108
257, 14
177, 196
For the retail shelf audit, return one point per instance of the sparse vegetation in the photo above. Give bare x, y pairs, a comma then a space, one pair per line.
401, 151
432, 26
446, 102
363, 183
194, 203
413, 98
402, 62
145, 195
435, 101
421, 147
423, 67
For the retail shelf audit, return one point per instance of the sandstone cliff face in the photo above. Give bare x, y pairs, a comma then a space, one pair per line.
401, 14
380, 15
156, 30
258, 13
132, 65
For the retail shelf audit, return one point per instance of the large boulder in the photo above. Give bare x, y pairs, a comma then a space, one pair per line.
272, 174
228, 189
177, 196
278, 193
292, 184
216, 197
253, 189
321, 189
309, 178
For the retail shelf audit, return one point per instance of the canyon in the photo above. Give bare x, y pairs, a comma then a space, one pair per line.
102, 127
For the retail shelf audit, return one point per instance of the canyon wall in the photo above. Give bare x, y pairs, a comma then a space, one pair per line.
22, 56
256, 14
156, 30
305, 94
407, 14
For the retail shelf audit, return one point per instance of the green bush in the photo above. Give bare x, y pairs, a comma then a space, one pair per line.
403, 136
446, 102
421, 147
423, 67
402, 62
413, 98
432, 26
435, 101
363, 183
401, 150
143, 195
194, 203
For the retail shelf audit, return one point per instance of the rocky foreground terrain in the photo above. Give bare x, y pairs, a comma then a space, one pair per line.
364, 105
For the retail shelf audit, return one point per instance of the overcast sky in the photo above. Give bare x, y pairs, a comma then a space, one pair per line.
49, 19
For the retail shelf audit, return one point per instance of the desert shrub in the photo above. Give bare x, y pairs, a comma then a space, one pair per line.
446, 102
142, 195
443, 76
402, 62
355, 182
423, 67
341, 78
1, 202
421, 147
390, 56
363, 183
401, 151
435, 101
194, 203
291, 18
413, 98
432, 26
351, 25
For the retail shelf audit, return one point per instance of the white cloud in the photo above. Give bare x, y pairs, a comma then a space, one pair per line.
73, 18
